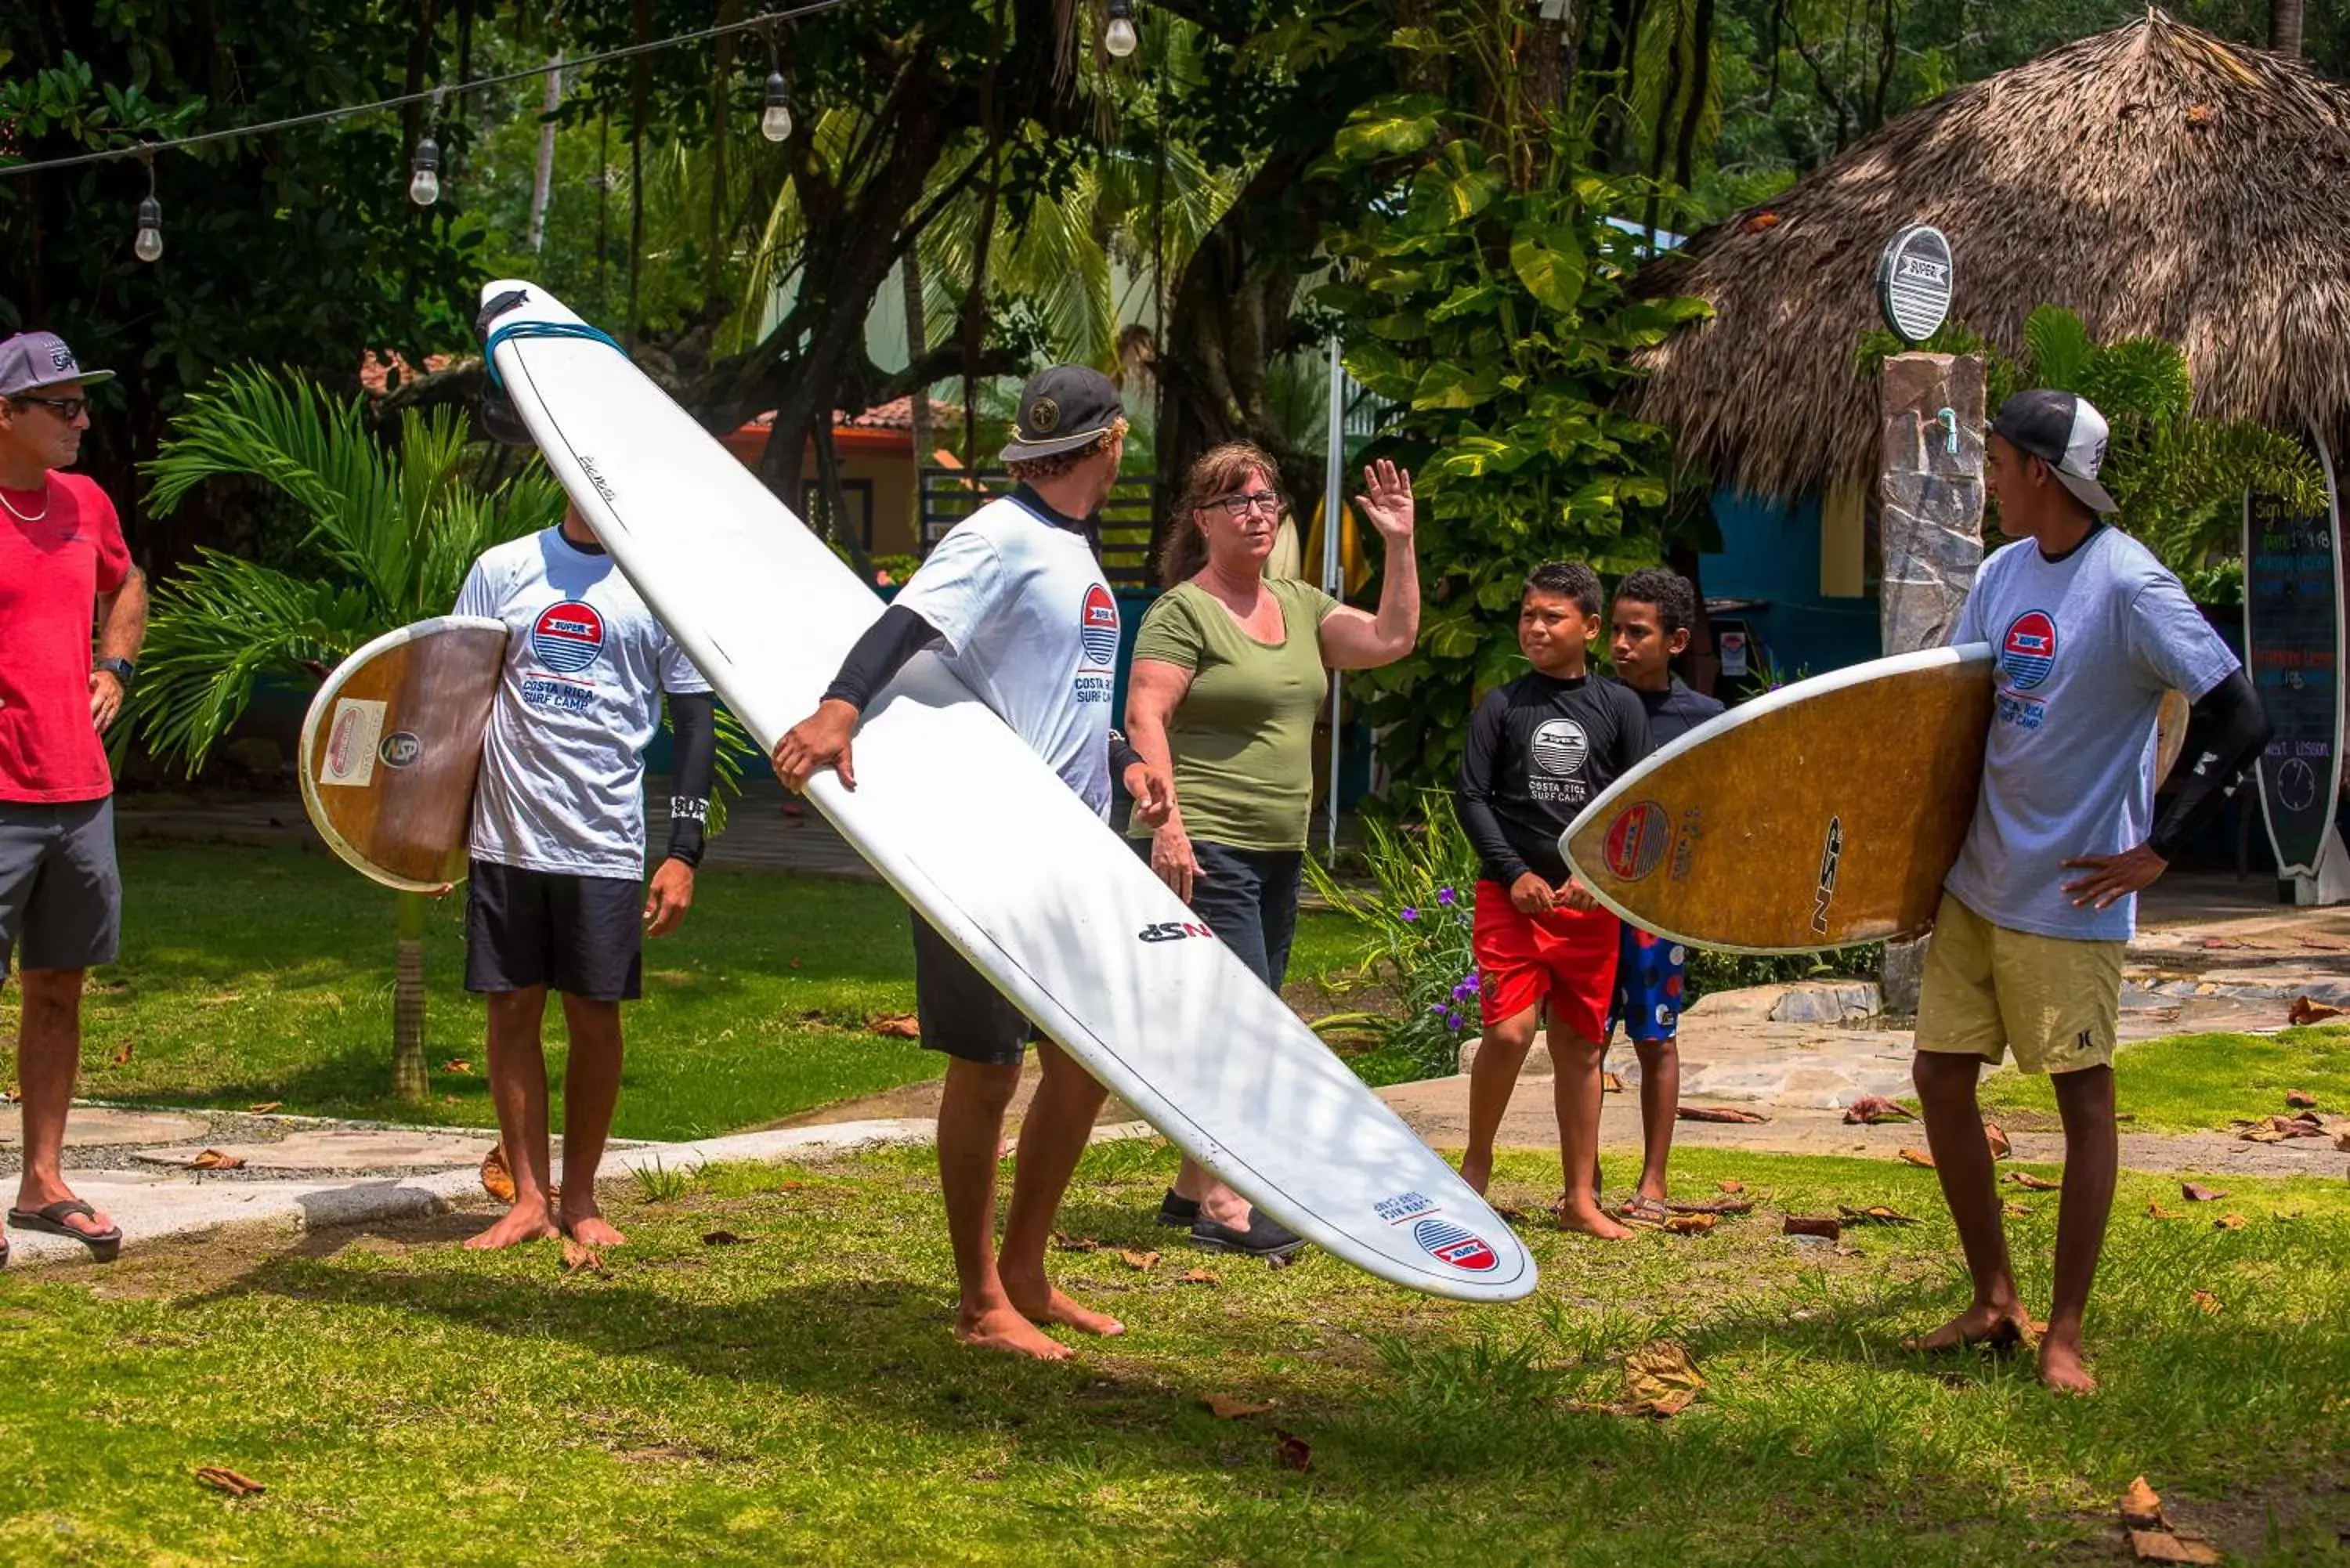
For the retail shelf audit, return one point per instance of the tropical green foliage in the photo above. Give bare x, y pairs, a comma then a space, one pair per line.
1490, 302
392, 531
2180, 480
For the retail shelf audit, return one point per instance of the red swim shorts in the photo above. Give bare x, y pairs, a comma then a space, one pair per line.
1567, 955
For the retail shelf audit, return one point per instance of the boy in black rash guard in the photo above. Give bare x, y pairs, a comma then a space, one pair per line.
1654, 611
1539, 749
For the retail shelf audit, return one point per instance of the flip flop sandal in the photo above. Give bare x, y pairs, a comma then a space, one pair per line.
50, 1220
2008, 1335
1642, 1210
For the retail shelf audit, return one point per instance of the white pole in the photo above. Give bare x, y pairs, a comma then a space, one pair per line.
1333, 570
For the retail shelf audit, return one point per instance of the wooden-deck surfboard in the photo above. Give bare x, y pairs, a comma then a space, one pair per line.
392, 744
1820, 816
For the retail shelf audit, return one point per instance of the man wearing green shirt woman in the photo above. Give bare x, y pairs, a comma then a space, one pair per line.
1229, 675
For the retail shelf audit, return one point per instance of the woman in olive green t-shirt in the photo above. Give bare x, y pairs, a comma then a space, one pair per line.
1229, 672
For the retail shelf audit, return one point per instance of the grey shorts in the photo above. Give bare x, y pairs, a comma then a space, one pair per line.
60, 892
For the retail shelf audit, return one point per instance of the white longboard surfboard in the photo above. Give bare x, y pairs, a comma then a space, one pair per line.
978, 833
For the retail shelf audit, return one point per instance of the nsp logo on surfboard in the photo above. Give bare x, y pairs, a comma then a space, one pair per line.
2027, 657
1097, 635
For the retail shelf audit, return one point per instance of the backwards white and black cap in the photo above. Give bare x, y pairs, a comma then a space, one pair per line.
2064, 431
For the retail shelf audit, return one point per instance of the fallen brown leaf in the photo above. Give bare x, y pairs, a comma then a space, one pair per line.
724, 1239
2157, 1211
456, 1065
2015, 1210
2300, 1098
1134, 1260
897, 1026
2161, 1546
122, 1057
2307, 1010
2141, 1507
1659, 1380
2195, 1192
1691, 1224
1718, 1113
2342, 1141
1199, 1277
581, 1257
1296, 1453
1225, 1407
496, 1179
1069, 1243
1875, 1214
2229, 1222
2026, 1178
222, 1479
1718, 1206
1870, 1109
1825, 1225
2000, 1146
265, 1106
2310, 1120
1731, 1184
1609, 1084
2208, 1302
1917, 1156
214, 1160
794, 964
790, 1186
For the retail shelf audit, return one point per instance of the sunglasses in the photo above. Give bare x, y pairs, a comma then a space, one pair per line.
1254, 501
66, 408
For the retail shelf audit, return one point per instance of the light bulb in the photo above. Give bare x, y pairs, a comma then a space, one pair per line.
150, 243
776, 121
1120, 37
425, 173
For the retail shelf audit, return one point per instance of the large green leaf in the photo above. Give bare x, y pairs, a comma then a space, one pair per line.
1551, 272
1389, 128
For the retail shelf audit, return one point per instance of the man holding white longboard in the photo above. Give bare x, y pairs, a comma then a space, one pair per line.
1014, 600
2087, 631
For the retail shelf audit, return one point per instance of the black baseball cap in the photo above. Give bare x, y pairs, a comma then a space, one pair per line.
1061, 409
2064, 431
32, 360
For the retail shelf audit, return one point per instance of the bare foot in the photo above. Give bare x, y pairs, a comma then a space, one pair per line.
523, 1222
1003, 1328
2060, 1368
592, 1231
1998, 1325
1477, 1170
1057, 1308
1585, 1218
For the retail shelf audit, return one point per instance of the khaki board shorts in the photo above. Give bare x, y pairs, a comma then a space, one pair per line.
1989, 989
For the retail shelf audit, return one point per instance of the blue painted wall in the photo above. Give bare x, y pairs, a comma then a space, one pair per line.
1771, 550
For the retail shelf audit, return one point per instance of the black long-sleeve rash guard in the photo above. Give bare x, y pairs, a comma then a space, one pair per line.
1539, 749
694, 716
2226, 731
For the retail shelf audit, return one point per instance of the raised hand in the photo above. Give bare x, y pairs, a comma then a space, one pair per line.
1387, 500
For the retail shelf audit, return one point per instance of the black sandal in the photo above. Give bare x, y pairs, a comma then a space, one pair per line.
50, 1220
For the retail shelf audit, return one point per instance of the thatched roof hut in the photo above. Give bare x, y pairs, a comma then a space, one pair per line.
2153, 179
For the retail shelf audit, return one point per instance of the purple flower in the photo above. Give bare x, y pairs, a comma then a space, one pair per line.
1445, 896
1452, 1022
1409, 914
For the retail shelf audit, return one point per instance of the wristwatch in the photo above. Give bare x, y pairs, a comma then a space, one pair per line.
121, 668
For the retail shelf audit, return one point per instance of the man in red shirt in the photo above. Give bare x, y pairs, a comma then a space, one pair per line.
63, 565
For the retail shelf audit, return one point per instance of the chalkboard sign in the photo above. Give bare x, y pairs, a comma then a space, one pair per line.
2293, 651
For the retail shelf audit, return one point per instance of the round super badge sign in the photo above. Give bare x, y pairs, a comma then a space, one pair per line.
1914, 282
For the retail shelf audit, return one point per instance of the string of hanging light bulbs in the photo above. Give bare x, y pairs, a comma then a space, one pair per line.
1119, 39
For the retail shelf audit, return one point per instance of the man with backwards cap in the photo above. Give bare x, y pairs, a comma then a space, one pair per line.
62, 563
1012, 599
2087, 631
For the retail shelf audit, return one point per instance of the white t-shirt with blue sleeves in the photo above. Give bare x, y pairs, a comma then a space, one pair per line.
563, 770
2082, 650
1030, 626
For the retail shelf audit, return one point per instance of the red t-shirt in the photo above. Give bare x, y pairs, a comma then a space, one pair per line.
52, 570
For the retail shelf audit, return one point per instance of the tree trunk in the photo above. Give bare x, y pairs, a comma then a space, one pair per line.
918, 402
409, 1077
542, 183
2284, 25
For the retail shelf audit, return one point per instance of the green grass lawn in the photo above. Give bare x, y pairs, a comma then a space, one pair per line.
2184, 1083
251, 975
797, 1398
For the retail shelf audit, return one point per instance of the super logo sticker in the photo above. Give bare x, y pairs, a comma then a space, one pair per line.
1098, 626
1637, 839
2027, 653
569, 636
1458, 1245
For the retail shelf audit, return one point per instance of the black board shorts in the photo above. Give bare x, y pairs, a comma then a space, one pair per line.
961, 1012
582, 936
60, 891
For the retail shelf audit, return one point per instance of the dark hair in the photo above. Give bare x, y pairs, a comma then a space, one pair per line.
1672, 594
1183, 549
1567, 579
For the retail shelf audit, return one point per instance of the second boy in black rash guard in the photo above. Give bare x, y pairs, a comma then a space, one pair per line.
1539, 749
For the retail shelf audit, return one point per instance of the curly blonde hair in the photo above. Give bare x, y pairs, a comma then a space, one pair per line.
1219, 471
1029, 470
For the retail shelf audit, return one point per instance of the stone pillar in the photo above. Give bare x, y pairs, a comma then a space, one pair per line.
1930, 501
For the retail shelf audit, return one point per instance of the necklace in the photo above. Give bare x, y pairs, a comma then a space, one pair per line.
21, 517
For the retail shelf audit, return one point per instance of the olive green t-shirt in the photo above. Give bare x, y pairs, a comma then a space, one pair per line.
1243, 735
